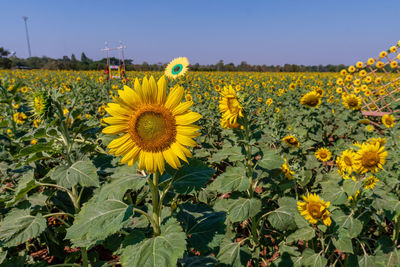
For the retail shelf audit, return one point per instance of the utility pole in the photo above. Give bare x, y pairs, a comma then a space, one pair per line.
27, 35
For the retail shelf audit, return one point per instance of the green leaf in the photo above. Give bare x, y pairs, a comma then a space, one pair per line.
120, 184
35, 148
96, 221
25, 184
282, 219
81, 172
351, 187
195, 261
342, 241
19, 226
201, 223
162, 250
353, 225
3, 255
232, 153
305, 233
310, 258
233, 179
334, 194
271, 160
233, 254
242, 208
191, 177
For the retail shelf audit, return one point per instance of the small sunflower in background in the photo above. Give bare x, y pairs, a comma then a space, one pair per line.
291, 141
314, 209
287, 171
39, 103
230, 106
177, 67
311, 99
154, 127
323, 154
370, 182
346, 161
351, 101
388, 120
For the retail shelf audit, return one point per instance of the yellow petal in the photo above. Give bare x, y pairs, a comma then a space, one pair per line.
182, 108
174, 97
116, 120
152, 90
176, 148
162, 90
131, 155
187, 118
119, 141
115, 129
186, 141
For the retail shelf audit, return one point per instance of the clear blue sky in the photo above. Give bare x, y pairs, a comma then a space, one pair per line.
259, 32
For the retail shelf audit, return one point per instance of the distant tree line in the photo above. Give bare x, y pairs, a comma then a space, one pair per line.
85, 63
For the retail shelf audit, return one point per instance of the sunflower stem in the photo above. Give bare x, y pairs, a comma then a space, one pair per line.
156, 204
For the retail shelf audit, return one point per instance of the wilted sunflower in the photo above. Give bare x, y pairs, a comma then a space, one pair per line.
177, 67
323, 154
370, 157
314, 209
388, 120
229, 105
311, 99
291, 141
351, 101
370, 182
155, 127
286, 170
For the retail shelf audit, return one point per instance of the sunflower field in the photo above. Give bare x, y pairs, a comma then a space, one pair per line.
195, 169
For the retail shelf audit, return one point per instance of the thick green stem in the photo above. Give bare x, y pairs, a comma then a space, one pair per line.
84, 257
156, 204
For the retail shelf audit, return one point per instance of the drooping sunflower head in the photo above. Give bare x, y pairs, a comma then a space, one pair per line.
287, 171
370, 157
226, 124
388, 120
229, 105
314, 209
323, 154
351, 101
153, 127
311, 99
177, 67
40, 104
291, 141
381, 141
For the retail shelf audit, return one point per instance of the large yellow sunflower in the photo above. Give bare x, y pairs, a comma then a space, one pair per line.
388, 120
323, 154
370, 157
351, 101
314, 209
153, 127
311, 99
229, 105
177, 67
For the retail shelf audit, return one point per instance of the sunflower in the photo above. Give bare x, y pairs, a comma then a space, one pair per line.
39, 103
20, 117
177, 67
229, 105
370, 182
347, 161
227, 125
370, 157
311, 99
323, 154
154, 127
352, 101
314, 209
286, 170
291, 141
388, 120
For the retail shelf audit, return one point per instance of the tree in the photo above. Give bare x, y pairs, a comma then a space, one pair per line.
5, 63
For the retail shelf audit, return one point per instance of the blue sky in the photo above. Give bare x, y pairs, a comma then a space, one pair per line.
205, 31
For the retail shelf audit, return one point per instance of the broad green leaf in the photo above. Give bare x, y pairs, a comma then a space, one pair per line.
351, 187
242, 208
81, 172
233, 179
25, 184
195, 261
271, 160
342, 241
312, 259
162, 250
3, 255
35, 148
120, 184
282, 219
231, 153
19, 226
335, 195
353, 225
305, 233
191, 177
233, 254
98, 220
201, 224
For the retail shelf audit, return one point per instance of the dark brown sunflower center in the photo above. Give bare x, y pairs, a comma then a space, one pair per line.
315, 210
347, 161
352, 102
153, 128
370, 159
323, 155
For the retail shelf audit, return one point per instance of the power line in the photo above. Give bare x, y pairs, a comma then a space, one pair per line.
27, 35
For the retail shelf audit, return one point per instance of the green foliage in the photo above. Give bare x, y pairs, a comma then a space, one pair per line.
81, 172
